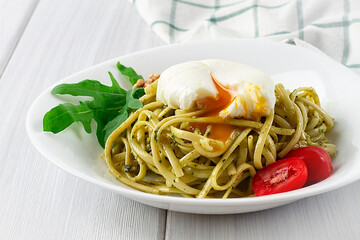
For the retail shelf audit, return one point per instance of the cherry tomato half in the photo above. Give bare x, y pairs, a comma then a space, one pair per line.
317, 160
281, 176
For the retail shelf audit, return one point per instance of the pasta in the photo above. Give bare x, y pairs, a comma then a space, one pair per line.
153, 150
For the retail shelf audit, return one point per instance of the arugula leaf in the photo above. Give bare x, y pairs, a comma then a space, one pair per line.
132, 98
90, 88
113, 124
111, 106
63, 115
129, 72
132, 103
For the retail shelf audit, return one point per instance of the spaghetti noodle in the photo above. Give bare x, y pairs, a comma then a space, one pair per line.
155, 151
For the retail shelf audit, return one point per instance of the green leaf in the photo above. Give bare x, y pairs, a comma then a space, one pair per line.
132, 102
129, 72
102, 118
138, 92
115, 123
111, 105
90, 88
63, 115
115, 84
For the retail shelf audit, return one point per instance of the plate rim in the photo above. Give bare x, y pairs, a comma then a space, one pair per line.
136, 194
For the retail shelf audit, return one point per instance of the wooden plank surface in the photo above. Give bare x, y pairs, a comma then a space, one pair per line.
49, 40
333, 215
14, 16
37, 199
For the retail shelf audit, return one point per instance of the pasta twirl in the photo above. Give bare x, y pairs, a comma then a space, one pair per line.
154, 151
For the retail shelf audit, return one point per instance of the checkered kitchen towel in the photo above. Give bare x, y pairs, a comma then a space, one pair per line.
333, 26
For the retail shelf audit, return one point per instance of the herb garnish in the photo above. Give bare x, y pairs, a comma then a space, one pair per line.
127, 168
111, 105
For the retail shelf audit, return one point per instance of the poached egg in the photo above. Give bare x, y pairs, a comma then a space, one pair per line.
223, 88
200, 84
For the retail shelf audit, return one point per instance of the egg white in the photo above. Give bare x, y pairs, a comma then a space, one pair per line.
183, 85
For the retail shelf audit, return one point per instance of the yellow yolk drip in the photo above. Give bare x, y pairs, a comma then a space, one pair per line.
213, 106
260, 102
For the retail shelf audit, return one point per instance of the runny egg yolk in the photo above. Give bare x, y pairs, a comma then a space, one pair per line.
213, 106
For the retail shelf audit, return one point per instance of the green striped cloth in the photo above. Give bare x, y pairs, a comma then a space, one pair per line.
333, 26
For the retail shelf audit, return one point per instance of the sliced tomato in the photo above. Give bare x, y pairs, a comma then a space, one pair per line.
281, 176
317, 160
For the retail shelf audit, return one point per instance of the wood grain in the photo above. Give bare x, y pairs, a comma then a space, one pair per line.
38, 200
50, 40
333, 215
14, 16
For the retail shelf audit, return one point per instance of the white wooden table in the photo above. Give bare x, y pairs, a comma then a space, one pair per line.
42, 41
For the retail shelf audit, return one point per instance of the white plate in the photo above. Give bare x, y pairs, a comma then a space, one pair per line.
77, 152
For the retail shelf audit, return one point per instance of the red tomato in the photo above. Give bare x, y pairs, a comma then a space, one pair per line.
317, 160
281, 176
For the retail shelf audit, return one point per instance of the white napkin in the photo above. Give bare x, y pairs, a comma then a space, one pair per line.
331, 26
